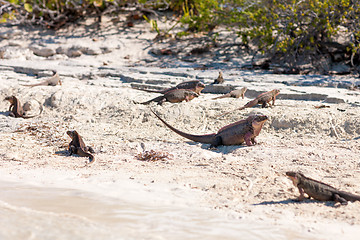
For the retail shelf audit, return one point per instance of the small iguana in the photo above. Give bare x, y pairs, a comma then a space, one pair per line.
319, 190
263, 99
195, 86
234, 94
52, 81
77, 146
16, 109
220, 79
174, 96
233, 134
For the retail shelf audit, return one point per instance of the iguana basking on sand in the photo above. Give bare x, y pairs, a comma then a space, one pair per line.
319, 190
77, 146
234, 94
195, 86
174, 96
220, 79
16, 109
233, 134
263, 99
53, 81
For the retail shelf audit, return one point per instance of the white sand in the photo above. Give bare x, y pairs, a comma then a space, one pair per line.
239, 181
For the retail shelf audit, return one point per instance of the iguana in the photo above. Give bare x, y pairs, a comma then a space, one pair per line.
195, 86
234, 94
220, 79
52, 81
77, 146
16, 109
233, 134
263, 99
174, 96
319, 190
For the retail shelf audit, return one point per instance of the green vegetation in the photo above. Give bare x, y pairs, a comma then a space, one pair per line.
275, 27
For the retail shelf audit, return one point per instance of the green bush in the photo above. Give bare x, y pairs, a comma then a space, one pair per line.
273, 27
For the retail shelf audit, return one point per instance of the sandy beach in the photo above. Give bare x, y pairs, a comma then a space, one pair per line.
244, 189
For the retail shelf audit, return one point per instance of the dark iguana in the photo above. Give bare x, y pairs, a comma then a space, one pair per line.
52, 81
234, 94
174, 96
77, 146
16, 109
263, 99
319, 190
233, 134
220, 79
195, 86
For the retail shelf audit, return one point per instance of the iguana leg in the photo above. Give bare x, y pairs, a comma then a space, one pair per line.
302, 196
11, 114
72, 150
217, 142
247, 138
162, 101
339, 199
90, 149
263, 105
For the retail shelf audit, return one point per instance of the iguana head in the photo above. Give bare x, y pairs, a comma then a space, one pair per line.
294, 176
11, 99
276, 92
199, 86
194, 94
190, 95
257, 122
72, 134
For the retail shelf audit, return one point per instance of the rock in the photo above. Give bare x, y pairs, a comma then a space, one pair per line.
10, 53
10, 34
105, 50
32, 107
27, 106
15, 44
60, 50
73, 52
334, 100
42, 51
45, 73
218, 89
340, 69
90, 51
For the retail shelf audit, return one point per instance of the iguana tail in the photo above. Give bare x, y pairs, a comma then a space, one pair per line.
157, 99
226, 113
222, 96
349, 196
36, 84
208, 138
82, 153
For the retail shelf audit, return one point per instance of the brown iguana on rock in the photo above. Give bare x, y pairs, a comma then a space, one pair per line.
263, 99
234, 94
52, 81
16, 109
319, 190
220, 79
77, 146
233, 134
195, 86
174, 96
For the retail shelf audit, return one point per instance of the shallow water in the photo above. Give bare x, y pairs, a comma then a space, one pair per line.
35, 212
